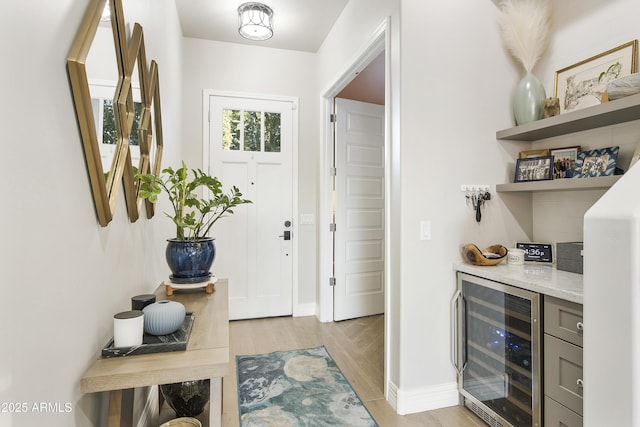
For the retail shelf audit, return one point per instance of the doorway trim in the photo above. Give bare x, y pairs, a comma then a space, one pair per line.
379, 42
298, 310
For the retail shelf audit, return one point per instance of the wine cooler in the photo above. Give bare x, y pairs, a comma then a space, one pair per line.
496, 351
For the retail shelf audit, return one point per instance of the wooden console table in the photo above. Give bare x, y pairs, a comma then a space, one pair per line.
206, 356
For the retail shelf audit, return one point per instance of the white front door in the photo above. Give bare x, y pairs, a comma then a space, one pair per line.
359, 212
250, 146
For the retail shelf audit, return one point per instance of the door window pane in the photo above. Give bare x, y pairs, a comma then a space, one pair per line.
244, 130
272, 132
231, 130
252, 130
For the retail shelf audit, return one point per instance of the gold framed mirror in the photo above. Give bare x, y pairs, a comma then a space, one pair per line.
151, 131
131, 103
147, 156
116, 114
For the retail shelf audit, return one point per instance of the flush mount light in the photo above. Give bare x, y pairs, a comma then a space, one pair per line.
255, 21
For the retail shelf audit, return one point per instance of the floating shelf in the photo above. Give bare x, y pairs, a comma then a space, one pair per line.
596, 183
610, 113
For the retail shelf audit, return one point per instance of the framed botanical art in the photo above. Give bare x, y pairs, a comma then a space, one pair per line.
564, 161
600, 162
581, 85
534, 169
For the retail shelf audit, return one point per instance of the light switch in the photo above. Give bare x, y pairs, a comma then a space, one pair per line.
425, 230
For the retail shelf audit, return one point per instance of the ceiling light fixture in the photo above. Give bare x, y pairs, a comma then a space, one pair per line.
255, 21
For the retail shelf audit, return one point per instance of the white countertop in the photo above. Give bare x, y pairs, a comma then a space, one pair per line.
540, 278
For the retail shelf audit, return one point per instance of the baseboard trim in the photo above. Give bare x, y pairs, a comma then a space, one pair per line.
392, 395
423, 399
148, 417
301, 310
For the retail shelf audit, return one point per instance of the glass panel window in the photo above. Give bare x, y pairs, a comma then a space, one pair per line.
231, 130
252, 128
272, 132
255, 131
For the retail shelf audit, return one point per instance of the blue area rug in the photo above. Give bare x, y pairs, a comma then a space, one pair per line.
297, 388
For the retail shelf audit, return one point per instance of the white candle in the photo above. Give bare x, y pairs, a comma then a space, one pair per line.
515, 256
128, 328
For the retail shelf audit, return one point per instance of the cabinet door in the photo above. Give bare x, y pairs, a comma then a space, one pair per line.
563, 372
563, 319
556, 415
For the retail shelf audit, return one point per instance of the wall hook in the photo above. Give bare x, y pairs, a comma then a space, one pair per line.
477, 200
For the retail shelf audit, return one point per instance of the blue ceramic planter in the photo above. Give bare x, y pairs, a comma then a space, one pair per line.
190, 260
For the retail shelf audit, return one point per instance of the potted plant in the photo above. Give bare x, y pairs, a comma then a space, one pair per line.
191, 253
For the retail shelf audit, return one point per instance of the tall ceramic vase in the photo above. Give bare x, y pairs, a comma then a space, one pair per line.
528, 100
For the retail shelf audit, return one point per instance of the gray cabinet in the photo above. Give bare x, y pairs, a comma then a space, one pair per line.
563, 384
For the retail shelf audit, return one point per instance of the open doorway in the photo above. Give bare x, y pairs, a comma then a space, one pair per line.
377, 49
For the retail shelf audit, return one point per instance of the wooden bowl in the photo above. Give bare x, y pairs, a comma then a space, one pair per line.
475, 256
183, 422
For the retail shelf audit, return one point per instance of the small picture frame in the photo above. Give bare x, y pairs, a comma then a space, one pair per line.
600, 162
534, 169
564, 161
533, 153
582, 85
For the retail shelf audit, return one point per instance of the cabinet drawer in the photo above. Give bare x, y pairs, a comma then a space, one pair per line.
563, 372
563, 319
556, 415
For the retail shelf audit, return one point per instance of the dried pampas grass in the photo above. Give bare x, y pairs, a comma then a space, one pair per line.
525, 26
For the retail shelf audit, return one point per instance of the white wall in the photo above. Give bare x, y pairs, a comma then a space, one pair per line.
456, 83
234, 67
64, 276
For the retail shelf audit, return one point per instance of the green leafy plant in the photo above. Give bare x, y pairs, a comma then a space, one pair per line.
193, 213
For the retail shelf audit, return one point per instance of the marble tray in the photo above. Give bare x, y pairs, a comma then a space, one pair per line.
176, 341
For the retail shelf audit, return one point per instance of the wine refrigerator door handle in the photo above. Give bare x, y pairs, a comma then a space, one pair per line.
463, 341
455, 331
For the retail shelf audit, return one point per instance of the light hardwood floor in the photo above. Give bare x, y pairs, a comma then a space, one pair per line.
356, 345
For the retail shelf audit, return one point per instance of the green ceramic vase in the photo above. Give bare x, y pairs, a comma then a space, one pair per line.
528, 100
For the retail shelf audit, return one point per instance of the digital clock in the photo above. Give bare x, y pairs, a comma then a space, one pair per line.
540, 252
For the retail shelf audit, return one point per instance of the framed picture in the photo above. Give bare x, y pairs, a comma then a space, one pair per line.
582, 85
533, 153
600, 162
564, 161
534, 169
